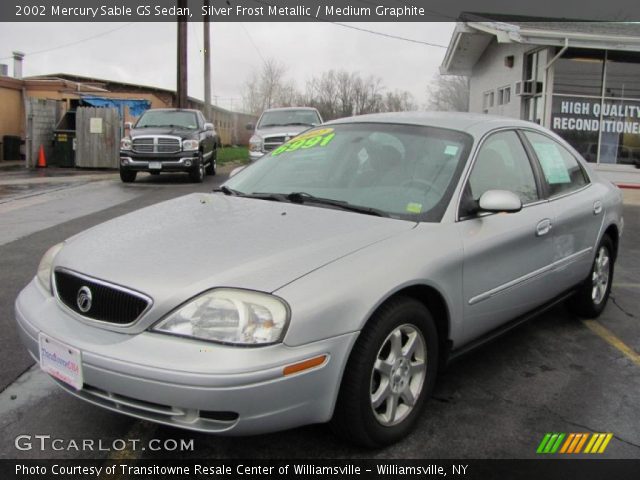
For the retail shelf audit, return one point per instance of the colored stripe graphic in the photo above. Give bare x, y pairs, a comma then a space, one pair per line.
551, 443
572, 443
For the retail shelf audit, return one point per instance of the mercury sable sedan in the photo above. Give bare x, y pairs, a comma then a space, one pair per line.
327, 281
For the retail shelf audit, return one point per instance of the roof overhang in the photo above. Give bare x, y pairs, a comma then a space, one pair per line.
471, 38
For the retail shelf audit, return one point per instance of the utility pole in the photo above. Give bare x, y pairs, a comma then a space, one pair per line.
207, 66
181, 86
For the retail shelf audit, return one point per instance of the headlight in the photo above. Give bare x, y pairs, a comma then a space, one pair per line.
125, 143
44, 269
238, 317
255, 143
190, 145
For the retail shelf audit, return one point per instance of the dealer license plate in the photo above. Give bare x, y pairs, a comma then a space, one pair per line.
155, 166
61, 361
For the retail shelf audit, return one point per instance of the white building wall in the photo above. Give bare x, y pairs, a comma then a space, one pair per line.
491, 73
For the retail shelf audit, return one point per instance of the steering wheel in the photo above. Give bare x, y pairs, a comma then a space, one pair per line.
426, 184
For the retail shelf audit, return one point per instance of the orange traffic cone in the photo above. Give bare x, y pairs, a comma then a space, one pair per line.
42, 161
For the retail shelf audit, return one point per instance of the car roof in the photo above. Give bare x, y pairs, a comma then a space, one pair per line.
173, 110
289, 108
474, 123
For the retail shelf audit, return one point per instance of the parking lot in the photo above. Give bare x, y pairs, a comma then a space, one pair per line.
554, 374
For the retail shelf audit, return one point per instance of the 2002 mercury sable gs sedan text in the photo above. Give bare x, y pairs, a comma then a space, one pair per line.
328, 280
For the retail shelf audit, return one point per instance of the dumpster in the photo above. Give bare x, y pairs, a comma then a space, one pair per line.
64, 141
64, 148
11, 147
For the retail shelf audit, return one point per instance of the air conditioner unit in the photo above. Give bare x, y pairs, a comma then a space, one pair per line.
528, 88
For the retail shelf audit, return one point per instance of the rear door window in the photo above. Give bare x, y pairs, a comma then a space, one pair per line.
562, 171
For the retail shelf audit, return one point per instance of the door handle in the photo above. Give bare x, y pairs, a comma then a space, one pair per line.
597, 207
543, 227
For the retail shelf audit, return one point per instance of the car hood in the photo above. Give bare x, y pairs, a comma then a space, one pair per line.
288, 130
174, 131
174, 250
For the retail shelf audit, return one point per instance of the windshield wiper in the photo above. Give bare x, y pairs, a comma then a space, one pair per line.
303, 197
297, 123
228, 191
278, 197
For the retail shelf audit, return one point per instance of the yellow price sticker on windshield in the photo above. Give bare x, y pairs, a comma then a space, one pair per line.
414, 207
317, 138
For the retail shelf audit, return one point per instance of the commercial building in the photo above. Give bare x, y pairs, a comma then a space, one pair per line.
33, 106
580, 79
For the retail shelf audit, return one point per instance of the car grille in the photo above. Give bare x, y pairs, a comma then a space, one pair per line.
109, 303
271, 143
156, 145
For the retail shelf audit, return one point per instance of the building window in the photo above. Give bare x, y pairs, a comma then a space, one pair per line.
596, 105
623, 75
579, 72
504, 95
488, 100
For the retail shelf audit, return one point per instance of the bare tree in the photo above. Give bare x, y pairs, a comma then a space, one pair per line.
268, 88
399, 102
449, 93
334, 93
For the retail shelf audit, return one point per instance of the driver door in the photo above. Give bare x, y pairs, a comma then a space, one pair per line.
507, 256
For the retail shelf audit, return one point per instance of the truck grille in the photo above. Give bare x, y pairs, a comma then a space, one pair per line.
156, 145
108, 303
271, 143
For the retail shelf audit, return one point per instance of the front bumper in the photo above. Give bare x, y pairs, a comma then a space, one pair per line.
179, 162
253, 156
197, 385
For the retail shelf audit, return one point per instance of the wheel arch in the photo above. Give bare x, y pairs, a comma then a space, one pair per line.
614, 234
435, 302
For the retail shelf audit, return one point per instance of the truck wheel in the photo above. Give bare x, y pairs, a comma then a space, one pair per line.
591, 298
128, 176
211, 166
389, 375
197, 174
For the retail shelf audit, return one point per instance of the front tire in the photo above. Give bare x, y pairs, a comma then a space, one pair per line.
591, 298
197, 174
128, 176
211, 166
389, 375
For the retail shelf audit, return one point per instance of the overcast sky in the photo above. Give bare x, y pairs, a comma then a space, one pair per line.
145, 53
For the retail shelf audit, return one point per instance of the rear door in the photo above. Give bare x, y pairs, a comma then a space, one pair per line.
577, 208
507, 256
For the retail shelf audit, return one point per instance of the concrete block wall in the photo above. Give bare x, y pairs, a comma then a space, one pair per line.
42, 116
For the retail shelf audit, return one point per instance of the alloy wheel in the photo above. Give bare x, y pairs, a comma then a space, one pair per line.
398, 375
600, 275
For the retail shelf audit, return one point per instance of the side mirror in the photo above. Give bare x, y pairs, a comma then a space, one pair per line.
128, 125
500, 201
208, 127
235, 171
249, 126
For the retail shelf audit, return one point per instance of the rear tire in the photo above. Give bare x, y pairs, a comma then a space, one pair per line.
591, 298
390, 373
128, 176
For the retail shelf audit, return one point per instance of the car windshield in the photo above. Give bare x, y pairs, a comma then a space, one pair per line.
168, 119
401, 171
279, 118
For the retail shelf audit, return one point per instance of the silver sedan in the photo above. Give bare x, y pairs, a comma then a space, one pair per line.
327, 281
